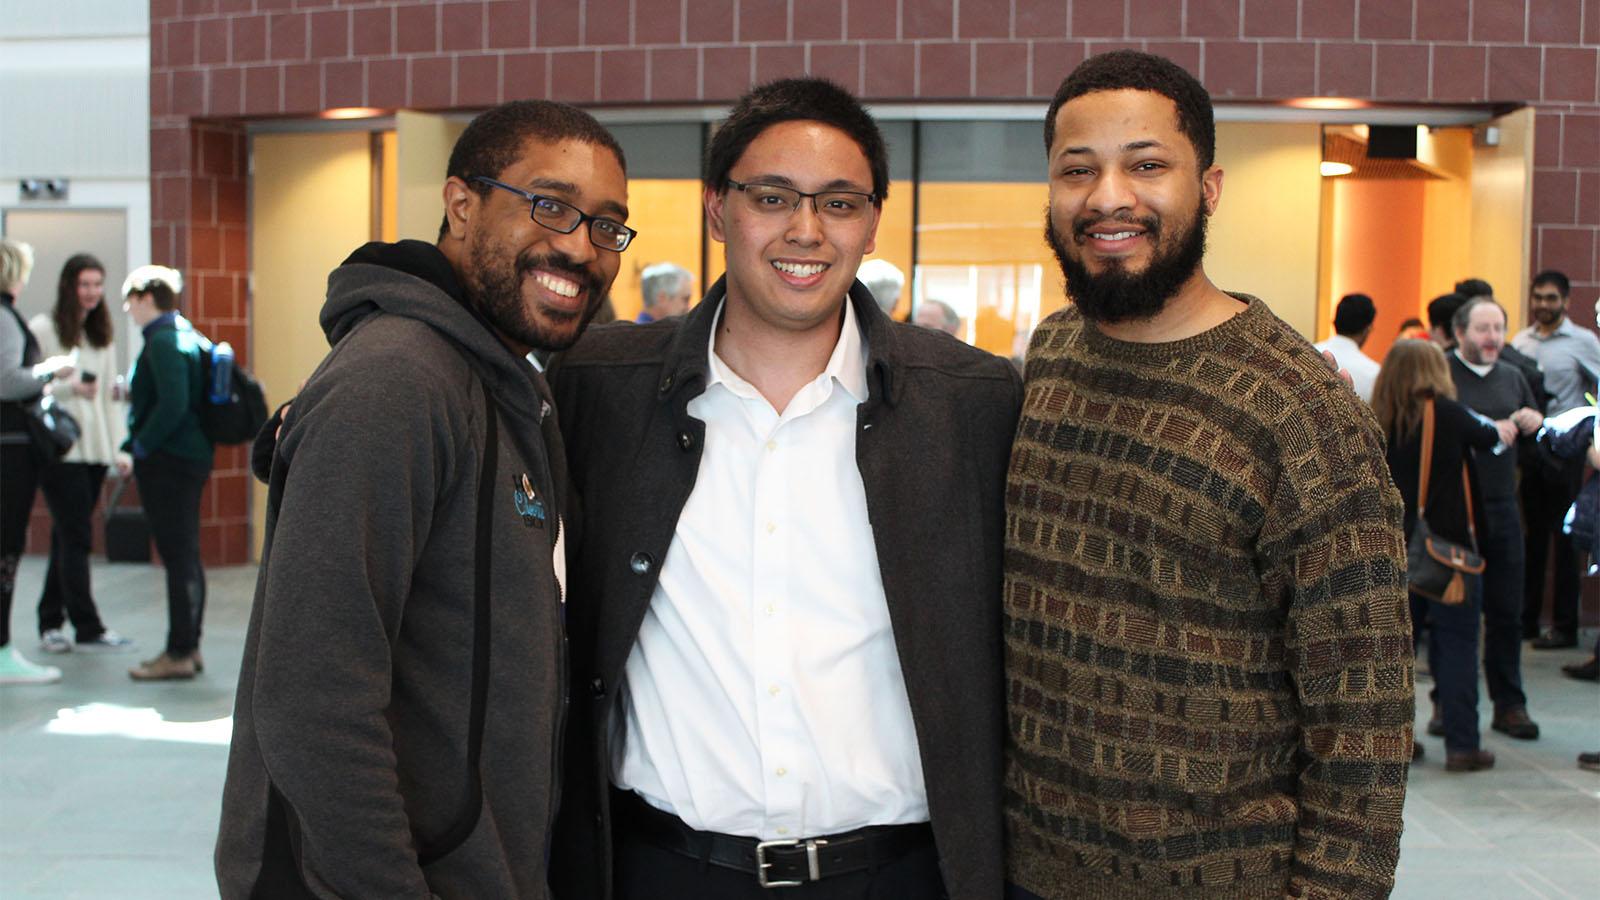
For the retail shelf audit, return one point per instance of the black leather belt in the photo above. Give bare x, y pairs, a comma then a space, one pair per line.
785, 863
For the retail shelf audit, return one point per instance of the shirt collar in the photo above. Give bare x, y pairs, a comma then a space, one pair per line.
165, 320
1482, 371
847, 365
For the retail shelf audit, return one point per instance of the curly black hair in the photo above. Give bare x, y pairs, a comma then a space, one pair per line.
1132, 70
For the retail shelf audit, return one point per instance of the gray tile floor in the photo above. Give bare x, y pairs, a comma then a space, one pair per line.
109, 789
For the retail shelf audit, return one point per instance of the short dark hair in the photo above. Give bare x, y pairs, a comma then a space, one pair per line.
1474, 287
96, 326
162, 293
1551, 276
1132, 70
1442, 308
1463, 315
1354, 314
494, 139
796, 100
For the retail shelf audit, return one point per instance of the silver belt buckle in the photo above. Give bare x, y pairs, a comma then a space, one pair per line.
762, 865
813, 866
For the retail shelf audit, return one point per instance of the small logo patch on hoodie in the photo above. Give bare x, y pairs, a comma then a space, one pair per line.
529, 505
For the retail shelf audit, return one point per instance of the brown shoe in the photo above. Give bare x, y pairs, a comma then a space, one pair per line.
199, 662
164, 668
1515, 722
1469, 761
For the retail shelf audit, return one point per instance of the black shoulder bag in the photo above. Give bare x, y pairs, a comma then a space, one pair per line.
1438, 568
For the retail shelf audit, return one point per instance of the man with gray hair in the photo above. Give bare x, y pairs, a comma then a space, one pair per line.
885, 280
940, 316
666, 288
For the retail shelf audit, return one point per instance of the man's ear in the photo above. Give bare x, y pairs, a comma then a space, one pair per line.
461, 203
713, 201
1211, 188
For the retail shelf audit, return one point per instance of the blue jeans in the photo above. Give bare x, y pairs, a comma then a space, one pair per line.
1453, 660
1500, 536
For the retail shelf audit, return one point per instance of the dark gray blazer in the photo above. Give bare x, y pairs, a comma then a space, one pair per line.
933, 448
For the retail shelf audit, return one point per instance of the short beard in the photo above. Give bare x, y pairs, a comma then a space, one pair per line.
498, 295
1117, 295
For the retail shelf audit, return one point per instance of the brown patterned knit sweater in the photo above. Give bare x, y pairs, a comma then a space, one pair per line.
1208, 652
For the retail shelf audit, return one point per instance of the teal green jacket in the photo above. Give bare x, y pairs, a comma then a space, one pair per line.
165, 392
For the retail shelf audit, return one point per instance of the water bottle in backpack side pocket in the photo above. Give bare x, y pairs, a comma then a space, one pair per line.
221, 387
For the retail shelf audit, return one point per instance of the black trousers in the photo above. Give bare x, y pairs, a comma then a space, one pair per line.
644, 871
1546, 497
71, 490
170, 488
18, 480
1500, 540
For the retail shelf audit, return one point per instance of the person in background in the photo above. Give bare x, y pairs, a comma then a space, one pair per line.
1414, 373
1569, 357
666, 289
171, 458
23, 377
885, 280
1497, 390
1412, 329
1440, 311
940, 316
1352, 325
1474, 288
80, 325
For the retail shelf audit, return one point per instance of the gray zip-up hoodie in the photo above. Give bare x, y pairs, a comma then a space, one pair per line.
349, 773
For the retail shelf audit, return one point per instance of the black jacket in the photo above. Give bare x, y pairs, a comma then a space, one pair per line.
933, 447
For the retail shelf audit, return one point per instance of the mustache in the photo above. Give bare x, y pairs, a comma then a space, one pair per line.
527, 263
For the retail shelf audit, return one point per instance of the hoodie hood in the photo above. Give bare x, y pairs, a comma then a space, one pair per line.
414, 279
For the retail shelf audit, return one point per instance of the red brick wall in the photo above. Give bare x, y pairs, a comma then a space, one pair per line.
215, 62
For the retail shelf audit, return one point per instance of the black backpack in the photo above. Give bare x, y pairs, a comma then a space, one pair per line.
236, 420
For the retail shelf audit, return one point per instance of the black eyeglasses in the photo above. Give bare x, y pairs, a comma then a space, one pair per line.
607, 234
841, 206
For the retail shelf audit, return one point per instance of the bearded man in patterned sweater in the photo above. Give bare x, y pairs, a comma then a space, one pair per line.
1208, 654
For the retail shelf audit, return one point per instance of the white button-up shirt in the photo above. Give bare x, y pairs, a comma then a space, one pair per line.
1363, 369
764, 695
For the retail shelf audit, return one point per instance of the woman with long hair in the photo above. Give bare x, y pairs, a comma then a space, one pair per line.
80, 325
24, 375
1413, 374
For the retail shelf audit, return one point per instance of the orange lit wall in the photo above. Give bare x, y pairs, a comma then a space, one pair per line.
1378, 251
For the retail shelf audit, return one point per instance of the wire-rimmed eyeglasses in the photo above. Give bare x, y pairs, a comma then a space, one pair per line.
839, 206
556, 215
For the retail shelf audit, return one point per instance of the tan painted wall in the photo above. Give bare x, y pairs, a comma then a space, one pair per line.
1265, 237
311, 205
423, 145
1502, 213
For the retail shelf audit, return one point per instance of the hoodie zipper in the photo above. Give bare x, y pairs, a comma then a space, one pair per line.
556, 756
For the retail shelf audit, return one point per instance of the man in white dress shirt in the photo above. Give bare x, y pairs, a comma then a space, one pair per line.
1352, 325
786, 596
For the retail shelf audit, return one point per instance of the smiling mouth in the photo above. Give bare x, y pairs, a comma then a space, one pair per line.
555, 284
799, 270
1113, 235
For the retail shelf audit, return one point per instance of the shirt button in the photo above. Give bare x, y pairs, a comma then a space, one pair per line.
782, 771
771, 527
772, 609
782, 830
772, 445
773, 689
641, 563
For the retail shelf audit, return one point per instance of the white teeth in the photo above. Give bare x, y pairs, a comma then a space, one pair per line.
560, 286
799, 270
1121, 235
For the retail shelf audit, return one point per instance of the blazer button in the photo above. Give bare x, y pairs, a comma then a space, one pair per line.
597, 687
641, 563
686, 440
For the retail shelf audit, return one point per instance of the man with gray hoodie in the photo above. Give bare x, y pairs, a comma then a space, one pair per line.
398, 724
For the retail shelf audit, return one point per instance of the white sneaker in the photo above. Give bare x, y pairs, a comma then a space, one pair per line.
108, 642
16, 669
54, 640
